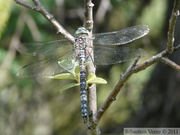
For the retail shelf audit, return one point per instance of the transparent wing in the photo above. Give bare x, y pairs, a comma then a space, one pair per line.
104, 55
52, 53
45, 48
121, 37
47, 66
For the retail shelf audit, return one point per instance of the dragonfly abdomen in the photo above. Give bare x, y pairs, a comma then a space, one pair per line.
83, 88
83, 94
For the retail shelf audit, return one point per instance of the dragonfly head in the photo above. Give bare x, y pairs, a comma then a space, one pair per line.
82, 30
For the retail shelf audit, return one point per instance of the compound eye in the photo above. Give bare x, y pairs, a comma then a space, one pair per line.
76, 39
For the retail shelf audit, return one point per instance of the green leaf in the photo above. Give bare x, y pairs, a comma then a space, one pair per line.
93, 79
64, 76
68, 86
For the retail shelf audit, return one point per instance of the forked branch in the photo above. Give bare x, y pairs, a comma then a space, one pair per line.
134, 69
128, 73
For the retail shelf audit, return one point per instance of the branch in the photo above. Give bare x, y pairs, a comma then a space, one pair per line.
39, 8
128, 73
172, 22
170, 63
92, 99
154, 59
137, 68
88, 7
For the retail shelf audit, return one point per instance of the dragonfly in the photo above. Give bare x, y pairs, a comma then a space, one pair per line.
108, 48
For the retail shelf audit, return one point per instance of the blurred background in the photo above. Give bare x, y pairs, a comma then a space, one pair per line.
34, 106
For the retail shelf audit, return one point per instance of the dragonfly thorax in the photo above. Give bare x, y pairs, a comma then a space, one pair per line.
80, 42
81, 38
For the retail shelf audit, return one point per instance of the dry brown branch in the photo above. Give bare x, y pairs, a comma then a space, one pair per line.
159, 57
92, 99
124, 77
170, 63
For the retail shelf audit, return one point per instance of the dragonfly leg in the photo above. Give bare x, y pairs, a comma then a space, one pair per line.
90, 56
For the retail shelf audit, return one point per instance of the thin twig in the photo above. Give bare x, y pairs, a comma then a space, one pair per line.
39, 8
172, 22
24, 3
170, 63
154, 59
88, 23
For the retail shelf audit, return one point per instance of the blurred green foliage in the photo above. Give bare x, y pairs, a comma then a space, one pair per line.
35, 106
5, 7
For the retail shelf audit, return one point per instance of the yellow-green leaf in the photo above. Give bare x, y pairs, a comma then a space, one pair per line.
93, 79
64, 76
